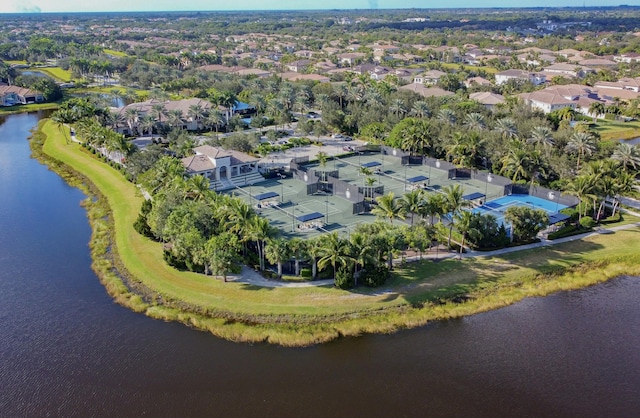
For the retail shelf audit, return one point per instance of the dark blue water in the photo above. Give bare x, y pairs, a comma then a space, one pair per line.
67, 350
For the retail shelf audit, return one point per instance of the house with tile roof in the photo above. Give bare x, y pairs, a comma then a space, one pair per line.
547, 101
225, 169
514, 74
14, 95
488, 99
426, 91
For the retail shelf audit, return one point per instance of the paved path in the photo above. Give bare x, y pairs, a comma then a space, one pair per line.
254, 278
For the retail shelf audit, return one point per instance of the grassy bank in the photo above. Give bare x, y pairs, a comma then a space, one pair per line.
614, 130
132, 269
28, 108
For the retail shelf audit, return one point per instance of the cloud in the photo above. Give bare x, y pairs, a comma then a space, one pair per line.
25, 6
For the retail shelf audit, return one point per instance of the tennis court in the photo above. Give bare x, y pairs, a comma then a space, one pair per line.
285, 202
497, 207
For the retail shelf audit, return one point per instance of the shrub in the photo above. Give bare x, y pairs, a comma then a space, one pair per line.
611, 219
587, 222
305, 273
571, 213
344, 279
565, 232
374, 277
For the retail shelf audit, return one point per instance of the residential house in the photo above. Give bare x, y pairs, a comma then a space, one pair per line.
425, 91
291, 76
521, 75
565, 69
225, 169
298, 66
487, 98
13, 95
626, 83
598, 62
547, 101
476, 81
429, 77
351, 58
253, 72
629, 57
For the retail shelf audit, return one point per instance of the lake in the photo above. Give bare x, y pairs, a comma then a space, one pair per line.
66, 349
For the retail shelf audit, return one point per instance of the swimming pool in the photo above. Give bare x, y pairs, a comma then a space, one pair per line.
498, 206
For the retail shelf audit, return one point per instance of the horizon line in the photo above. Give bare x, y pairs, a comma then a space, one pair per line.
323, 10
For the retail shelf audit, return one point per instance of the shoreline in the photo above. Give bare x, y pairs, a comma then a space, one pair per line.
483, 284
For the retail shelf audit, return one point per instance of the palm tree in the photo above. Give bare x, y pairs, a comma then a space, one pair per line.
582, 144
415, 136
197, 188
420, 109
277, 252
213, 120
463, 224
260, 231
596, 109
627, 155
146, 124
369, 182
474, 121
131, 116
196, 113
397, 108
228, 100
388, 207
298, 249
335, 252
583, 188
506, 127
517, 162
454, 203
174, 118
361, 249
541, 136
158, 111
412, 202
447, 116
323, 157
314, 249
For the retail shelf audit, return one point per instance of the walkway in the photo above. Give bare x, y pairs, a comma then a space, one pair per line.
254, 278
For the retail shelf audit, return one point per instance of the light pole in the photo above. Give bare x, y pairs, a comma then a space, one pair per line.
282, 176
486, 185
326, 200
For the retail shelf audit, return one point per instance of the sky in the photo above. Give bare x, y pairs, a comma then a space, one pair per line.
12, 6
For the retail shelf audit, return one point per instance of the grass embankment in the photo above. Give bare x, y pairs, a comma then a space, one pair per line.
56, 73
416, 294
614, 130
28, 108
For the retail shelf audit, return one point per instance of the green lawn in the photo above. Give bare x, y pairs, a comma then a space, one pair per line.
616, 130
302, 316
474, 68
27, 108
57, 73
114, 53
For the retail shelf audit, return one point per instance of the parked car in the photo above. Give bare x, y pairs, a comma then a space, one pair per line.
338, 136
348, 148
347, 138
